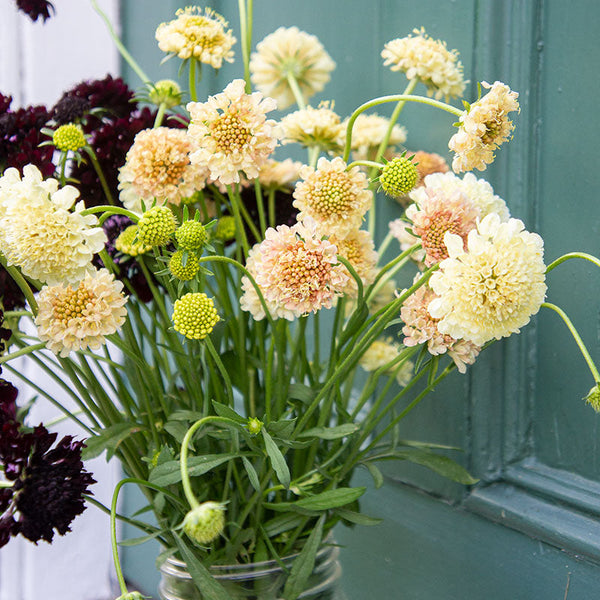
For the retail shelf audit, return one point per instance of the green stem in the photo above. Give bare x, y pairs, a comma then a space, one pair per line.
365, 163
22, 283
192, 79
160, 115
570, 255
22, 352
246, 39
584, 351
293, 83
108, 211
90, 152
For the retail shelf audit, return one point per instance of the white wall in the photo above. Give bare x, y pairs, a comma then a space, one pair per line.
37, 63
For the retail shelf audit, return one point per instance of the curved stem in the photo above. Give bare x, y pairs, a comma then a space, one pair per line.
365, 163
22, 283
584, 351
298, 95
108, 211
570, 255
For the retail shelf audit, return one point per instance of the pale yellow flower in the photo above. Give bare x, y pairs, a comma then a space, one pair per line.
158, 169
232, 133
192, 34
40, 230
335, 198
289, 50
77, 318
483, 128
279, 174
310, 126
380, 353
428, 60
368, 132
493, 287
359, 250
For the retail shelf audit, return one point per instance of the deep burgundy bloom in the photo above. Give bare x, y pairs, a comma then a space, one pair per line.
36, 8
11, 296
8, 405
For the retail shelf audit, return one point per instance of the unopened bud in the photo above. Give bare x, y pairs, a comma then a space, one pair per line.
205, 522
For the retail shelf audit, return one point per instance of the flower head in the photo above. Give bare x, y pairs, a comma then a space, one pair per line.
127, 242
191, 235
399, 176
310, 127
79, 318
194, 315
493, 287
297, 273
40, 233
279, 174
232, 133
167, 92
483, 128
156, 226
593, 398
69, 137
35, 9
184, 265
428, 60
192, 34
158, 167
290, 51
206, 522
380, 353
368, 131
336, 198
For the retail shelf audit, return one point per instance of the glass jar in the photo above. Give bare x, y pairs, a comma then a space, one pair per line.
257, 581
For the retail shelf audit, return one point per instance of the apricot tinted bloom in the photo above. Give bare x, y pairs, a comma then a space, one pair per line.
290, 51
158, 168
79, 318
192, 34
359, 250
335, 198
428, 60
483, 128
310, 126
296, 271
279, 174
421, 328
491, 288
232, 133
40, 233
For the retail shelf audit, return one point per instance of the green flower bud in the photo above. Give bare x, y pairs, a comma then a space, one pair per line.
593, 398
191, 235
69, 137
167, 92
254, 425
225, 229
205, 523
399, 176
156, 226
194, 315
187, 271
132, 596
127, 242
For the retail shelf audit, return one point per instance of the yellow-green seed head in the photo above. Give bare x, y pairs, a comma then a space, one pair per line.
156, 226
194, 315
254, 425
399, 176
593, 398
225, 229
167, 92
205, 523
191, 235
181, 271
132, 596
127, 242
69, 137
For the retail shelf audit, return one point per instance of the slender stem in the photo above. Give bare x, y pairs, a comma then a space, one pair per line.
215, 356
246, 36
365, 163
22, 283
298, 95
22, 352
160, 114
584, 351
113, 536
108, 211
90, 152
570, 255
192, 80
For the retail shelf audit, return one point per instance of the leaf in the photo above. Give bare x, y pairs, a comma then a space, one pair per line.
282, 428
330, 433
357, 320
284, 522
211, 588
142, 539
375, 474
330, 498
304, 393
185, 415
357, 518
170, 472
225, 411
108, 439
252, 476
304, 563
177, 429
277, 460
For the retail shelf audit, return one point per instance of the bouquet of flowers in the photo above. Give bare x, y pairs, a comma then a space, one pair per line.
209, 307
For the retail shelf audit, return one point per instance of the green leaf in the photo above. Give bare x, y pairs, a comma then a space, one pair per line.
357, 518
252, 476
225, 411
375, 474
330, 433
304, 393
304, 563
282, 428
211, 588
284, 522
357, 320
330, 498
185, 415
170, 472
142, 539
277, 460
108, 439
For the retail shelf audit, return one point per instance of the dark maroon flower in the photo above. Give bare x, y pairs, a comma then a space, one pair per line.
70, 109
11, 296
36, 8
8, 405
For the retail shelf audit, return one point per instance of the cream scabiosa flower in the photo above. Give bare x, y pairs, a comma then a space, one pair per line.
483, 128
368, 132
158, 168
290, 51
40, 230
232, 133
296, 270
78, 318
428, 60
493, 287
380, 353
192, 34
320, 127
336, 198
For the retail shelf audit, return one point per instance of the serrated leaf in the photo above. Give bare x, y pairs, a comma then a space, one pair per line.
277, 459
170, 472
108, 439
331, 433
357, 518
252, 475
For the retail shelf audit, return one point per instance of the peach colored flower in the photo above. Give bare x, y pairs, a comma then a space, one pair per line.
232, 133
483, 128
336, 198
158, 168
400, 229
279, 174
296, 271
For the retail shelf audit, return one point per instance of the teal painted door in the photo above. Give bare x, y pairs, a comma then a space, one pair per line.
530, 529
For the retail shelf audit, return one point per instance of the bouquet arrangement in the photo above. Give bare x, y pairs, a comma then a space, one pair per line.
208, 306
